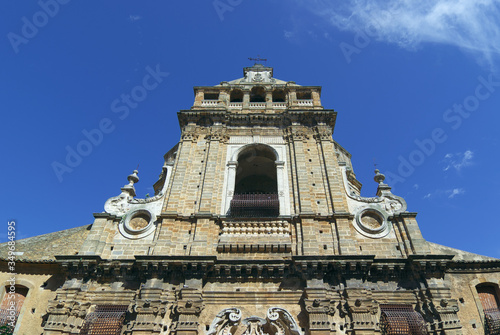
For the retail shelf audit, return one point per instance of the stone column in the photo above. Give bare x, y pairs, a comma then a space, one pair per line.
231, 178
280, 176
150, 309
319, 308
363, 311
189, 307
246, 99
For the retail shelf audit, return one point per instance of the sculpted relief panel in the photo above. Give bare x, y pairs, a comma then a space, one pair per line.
278, 321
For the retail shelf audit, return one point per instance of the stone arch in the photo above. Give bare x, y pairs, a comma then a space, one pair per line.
276, 153
486, 316
279, 95
258, 94
236, 95
16, 294
256, 172
245, 147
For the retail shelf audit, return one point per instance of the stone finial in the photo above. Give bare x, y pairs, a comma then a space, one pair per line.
382, 187
132, 179
379, 177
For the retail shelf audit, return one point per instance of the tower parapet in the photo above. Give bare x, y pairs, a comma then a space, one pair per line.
257, 91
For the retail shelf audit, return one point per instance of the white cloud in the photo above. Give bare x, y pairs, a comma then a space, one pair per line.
134, 18
471, 25
439, 193
455, 192
289, 35
415, 186
458, 161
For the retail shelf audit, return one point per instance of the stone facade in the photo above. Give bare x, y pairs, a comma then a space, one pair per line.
257, 226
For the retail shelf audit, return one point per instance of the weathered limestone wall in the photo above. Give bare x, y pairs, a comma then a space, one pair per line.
463, 288
105, 240
41, 283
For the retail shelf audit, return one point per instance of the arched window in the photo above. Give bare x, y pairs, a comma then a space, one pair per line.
256, 186
304, 95
401, 319
12, 302
236, 96
279, 96
488, 296
105, 320
258, 94
211, 96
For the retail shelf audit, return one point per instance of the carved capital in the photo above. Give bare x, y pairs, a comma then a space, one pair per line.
193, 307
150, 307
323, 134
189, 136
320, 306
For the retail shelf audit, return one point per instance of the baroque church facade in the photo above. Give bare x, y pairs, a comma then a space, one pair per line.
257, 227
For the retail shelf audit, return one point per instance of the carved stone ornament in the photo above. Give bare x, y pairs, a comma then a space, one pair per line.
150, 307
372, 213
137, 224
283, 321
217, 135
225, 322
118, 205
189, 307
188, 136
323, 134
278, 322
320, 306
258, 77
296, 133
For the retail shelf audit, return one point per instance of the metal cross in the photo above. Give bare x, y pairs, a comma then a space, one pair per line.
258, 59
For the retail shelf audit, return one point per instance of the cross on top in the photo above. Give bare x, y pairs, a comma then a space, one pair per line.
258, 59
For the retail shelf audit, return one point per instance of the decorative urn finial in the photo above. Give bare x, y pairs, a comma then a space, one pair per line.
379, 177
132, 179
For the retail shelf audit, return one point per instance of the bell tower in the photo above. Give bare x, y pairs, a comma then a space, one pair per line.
258, 208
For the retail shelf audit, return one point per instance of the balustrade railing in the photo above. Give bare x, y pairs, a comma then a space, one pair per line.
254, 205
257, 105
209, 103
236, 104
304, 102
492, 318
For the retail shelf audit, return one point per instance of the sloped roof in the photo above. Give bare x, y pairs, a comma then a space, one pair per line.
460, 255
258, 75
42, 248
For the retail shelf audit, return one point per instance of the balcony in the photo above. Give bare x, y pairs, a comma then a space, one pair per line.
305, 102
209, 103
258, 105
279, 105
254, 205
492, 320
236, 105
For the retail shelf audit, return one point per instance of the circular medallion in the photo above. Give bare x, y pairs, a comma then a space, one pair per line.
371, 223
137, 224
371, 220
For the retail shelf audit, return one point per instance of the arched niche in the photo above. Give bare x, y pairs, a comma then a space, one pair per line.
236, 96
256, 172
279, 96
254, 177
258, 94
239, 166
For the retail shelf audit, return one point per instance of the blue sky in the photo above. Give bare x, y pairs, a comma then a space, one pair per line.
416, 86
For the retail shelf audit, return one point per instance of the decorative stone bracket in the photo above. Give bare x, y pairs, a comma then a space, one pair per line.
278, 321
